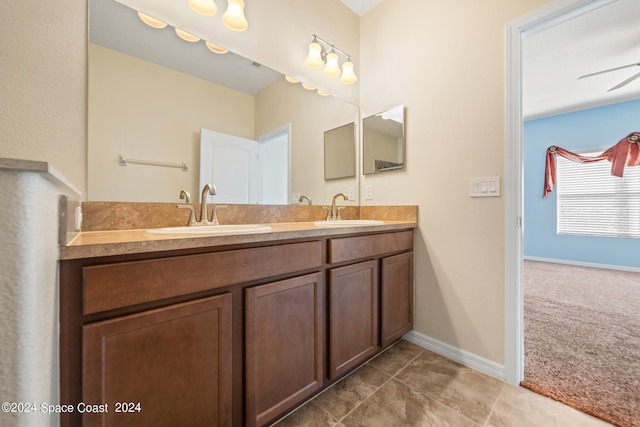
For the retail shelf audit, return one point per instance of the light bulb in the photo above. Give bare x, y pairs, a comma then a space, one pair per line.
216, 49
152, 22
291, 79
186, 36
234, 17
308, 86
314, 59
322, 92
331, 69
204, 7
348, 76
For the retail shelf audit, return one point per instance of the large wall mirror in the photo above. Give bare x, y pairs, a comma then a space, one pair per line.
151, 93
383, 141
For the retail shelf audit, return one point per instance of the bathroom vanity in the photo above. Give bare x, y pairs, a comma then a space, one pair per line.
226, 330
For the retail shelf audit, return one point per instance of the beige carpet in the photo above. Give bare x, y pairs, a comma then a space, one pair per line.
582, 338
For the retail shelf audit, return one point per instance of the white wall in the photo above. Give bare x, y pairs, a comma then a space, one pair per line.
444, 61
29, 332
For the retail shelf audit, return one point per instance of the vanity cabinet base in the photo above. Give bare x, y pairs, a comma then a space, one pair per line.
225, 336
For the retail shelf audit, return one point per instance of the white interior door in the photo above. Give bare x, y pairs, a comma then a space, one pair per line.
274, 167
231, 164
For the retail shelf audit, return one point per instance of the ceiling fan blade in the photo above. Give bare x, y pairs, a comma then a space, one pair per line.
624, 83
611, 69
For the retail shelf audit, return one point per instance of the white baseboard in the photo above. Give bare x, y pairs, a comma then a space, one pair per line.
456, 354
584, 264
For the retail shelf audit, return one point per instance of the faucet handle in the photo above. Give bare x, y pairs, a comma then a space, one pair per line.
214, 218
192, 214
328, 209
184, 195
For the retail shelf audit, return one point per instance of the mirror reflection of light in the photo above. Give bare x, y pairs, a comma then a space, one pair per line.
150, 21
187, 36
204, 7
216, 49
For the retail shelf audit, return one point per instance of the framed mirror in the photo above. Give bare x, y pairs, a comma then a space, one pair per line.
150, 94
340, 152
383, 141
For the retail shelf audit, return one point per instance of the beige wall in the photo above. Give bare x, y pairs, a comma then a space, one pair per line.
310, 116
43, 84
444, 61
145, 111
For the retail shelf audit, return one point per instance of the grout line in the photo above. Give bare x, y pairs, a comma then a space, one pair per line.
493, 407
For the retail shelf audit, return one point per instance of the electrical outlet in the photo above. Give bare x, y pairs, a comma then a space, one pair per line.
351, 193
295, 198
368, 192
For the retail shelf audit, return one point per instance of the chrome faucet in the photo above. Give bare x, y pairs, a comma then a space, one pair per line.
204, 214
305, 198
335, 211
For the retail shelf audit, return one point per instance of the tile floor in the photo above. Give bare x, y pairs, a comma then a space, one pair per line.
409, 386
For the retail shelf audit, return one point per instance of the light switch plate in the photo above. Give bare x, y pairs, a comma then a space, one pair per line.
484, 187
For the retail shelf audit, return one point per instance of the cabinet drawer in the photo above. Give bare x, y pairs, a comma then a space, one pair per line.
358, 247
111, 286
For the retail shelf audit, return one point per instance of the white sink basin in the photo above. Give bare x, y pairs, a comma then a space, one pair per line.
347, 222
210, 230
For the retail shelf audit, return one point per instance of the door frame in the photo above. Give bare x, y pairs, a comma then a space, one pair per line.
536, 21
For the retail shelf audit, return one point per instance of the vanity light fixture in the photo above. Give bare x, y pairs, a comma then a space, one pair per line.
234, 17
204, 7
216, 49
348, 76
331, 68
186, 36
328, 56
152, 22
314, 58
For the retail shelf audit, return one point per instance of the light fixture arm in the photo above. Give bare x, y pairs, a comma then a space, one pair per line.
330, 47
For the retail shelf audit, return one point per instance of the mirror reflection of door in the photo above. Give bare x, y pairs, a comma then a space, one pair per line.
244, 170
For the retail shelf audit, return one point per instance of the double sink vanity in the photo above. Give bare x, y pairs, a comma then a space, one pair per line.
228, 325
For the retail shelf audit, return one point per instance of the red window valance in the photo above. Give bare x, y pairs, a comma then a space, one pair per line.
625, 153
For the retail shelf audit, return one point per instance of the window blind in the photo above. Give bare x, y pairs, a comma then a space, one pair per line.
592, 202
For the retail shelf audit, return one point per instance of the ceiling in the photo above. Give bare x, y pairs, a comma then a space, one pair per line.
165, 48
360, 7
553, 59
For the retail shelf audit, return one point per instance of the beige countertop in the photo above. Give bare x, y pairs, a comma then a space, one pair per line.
91, 244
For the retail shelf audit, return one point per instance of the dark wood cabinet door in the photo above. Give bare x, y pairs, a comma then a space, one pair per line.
353, 316
284, 346
164, 367
396, 297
